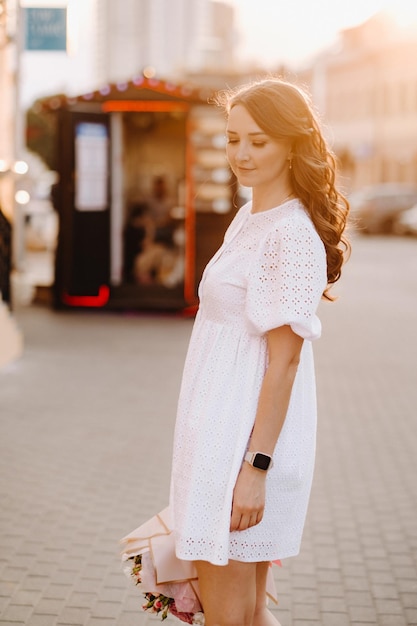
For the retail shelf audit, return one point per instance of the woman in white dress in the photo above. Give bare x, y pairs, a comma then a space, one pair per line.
246, 424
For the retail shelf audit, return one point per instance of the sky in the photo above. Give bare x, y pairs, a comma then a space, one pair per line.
294, 31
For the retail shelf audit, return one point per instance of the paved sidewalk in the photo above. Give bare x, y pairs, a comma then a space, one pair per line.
86, 418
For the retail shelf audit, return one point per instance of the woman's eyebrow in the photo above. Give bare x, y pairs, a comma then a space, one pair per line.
233, 132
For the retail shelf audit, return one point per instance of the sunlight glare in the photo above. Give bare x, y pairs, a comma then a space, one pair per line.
297, 30
72, 28
403, 12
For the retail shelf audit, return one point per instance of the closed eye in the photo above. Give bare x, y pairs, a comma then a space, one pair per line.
256, 144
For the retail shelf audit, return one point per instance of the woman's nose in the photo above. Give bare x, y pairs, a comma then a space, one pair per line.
242, 153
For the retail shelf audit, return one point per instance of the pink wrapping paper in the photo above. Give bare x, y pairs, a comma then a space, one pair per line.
162, 572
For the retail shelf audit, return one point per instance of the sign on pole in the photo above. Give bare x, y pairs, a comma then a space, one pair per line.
46, 28
91, 166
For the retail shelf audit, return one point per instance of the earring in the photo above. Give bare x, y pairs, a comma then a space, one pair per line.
290, 162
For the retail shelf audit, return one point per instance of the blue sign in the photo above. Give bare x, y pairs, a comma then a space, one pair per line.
46, 29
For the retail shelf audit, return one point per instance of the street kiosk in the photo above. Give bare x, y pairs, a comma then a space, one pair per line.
144, 194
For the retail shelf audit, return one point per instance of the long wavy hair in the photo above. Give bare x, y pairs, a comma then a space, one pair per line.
285, 112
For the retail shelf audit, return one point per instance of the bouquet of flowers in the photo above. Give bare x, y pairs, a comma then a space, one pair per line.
186, 609
169, 584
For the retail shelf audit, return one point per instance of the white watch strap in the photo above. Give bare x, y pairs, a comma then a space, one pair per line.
249, 456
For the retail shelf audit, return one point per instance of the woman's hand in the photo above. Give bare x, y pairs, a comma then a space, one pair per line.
248, 498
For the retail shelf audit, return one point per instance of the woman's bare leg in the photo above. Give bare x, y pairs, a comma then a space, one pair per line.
228, 593
263, 616
234, 594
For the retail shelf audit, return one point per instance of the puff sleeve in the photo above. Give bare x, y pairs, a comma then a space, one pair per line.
286, 279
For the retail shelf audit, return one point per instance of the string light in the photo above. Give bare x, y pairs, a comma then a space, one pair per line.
20, 167
149, 71
22, 197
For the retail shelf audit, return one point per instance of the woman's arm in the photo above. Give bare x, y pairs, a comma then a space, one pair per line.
284, 348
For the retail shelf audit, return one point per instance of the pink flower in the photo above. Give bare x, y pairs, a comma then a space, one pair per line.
184, 617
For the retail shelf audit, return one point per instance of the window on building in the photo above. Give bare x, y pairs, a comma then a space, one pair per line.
384, 170
373, 101
402, 98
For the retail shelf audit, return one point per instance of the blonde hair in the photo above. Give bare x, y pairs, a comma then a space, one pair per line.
284, 112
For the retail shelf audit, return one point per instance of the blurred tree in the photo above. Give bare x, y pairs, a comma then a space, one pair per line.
41, 128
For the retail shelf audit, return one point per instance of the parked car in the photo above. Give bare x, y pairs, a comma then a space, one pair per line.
406, 223
375, 209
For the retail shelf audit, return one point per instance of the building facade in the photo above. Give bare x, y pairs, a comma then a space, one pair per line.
7, 107
367, 94
167, 38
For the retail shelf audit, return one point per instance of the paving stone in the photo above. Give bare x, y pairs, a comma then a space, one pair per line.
134, 603
58, 591
407, 585
355, 570
363, 614
73, 616
359, 598
333, 605
7, 588
305, 611
385, 592
334, 619
87, 585
81, 600
304, 596
49, 606
330, 590
4, 602
112, 594
405, 572
328, 576
392, 620
16, 613
28, 598
108, 610
128, 618
409, 600
388, 607
355, 584
42, 620
14, 574
382, 578
411, 615
35, 583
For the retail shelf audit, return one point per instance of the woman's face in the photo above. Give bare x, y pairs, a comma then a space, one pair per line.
256, 159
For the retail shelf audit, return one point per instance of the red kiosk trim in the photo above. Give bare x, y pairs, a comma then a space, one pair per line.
99, 300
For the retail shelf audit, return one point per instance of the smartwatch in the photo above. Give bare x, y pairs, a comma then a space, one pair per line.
259, 460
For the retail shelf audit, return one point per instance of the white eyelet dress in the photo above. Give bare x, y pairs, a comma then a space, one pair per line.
270, 271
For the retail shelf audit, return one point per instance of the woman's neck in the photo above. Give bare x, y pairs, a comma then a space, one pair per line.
263, 201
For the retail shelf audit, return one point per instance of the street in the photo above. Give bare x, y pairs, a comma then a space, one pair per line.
87, 419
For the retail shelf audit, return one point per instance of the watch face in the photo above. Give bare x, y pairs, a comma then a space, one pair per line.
261, 461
